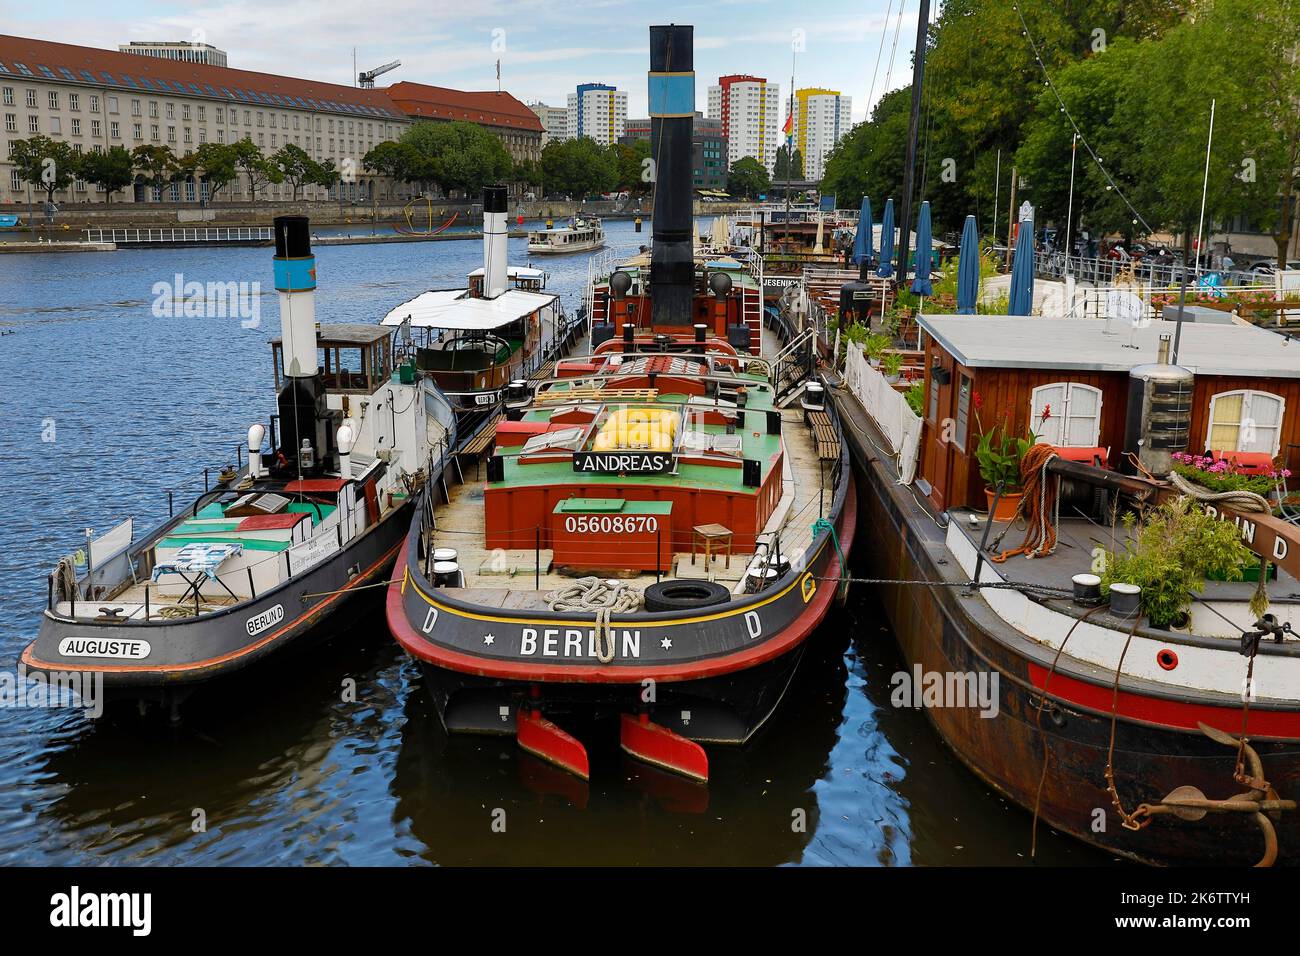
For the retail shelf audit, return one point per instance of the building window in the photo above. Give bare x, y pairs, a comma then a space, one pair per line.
1245, 420
963, 413
135, 107
8, 94
94, 128
54, 99
171, 110
171, 134
185, 111
153, 109
76, 126
114, 131
11, 123
153, 132
56, 126
31, 99
74, 101
203, 114
112, 104
1066, 414
15, 180
94, 103
33, 124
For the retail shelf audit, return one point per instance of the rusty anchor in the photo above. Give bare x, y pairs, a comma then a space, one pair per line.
1261, 802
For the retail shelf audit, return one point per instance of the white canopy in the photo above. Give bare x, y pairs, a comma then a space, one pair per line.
454, 309
516, 272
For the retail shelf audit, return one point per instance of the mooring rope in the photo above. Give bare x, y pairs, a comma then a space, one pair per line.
1240, 500
604, 598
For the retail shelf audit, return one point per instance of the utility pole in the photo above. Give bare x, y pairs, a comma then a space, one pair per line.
1011, 215
913, 132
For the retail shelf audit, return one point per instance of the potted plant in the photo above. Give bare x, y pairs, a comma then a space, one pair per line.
892, 365
998, 454
873, 347
1170, 555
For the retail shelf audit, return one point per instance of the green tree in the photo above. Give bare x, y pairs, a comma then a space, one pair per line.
158, 165
788, 164
260, 171
579, 167
399, 162
112, 170
459, 155
47, 164
633, 173
869, 161
215, 164
748, 178
296, 167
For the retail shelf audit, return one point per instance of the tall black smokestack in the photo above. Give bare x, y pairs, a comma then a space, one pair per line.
672, 114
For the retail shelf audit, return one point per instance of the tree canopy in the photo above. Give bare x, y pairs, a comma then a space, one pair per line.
579, 167
748, 178
1136, 76
454, 155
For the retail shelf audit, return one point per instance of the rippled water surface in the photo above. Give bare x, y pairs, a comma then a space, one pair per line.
277, 767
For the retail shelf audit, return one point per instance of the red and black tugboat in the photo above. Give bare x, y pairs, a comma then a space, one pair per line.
662, 523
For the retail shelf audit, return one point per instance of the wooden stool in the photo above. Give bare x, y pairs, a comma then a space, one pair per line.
711, 533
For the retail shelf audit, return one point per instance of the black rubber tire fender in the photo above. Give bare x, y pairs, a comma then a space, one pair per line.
684, 595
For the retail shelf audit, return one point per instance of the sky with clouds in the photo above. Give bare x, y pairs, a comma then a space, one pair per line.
550, 46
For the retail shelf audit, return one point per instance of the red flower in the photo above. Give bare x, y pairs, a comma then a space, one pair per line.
978, 399
1047, 412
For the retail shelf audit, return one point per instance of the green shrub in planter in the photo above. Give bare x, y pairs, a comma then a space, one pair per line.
1170, 555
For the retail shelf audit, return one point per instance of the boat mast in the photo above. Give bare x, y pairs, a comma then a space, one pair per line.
913, 131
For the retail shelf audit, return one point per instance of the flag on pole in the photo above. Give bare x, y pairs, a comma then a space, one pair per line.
788, 129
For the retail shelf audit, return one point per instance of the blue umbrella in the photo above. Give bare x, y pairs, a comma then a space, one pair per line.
1021, 298
921, 271
862, 241
887, 242
968, 269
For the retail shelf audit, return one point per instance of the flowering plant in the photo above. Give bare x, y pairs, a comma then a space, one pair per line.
1219, 475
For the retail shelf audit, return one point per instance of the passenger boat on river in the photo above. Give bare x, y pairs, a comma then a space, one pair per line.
663, 522
259, 560
583, 234
1166, 742
474, 341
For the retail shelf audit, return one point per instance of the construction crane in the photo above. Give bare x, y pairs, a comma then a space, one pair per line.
366, 80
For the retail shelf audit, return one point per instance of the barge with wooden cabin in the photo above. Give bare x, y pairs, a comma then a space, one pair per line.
1166, 741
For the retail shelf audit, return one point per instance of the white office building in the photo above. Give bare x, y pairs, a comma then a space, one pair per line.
555, 122
821, 117
598, 112
749, 108
177, 50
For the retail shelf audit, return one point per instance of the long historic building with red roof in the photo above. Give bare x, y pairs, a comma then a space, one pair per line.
96, 99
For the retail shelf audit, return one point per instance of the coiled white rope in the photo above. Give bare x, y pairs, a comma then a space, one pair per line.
604, 598
1246, 501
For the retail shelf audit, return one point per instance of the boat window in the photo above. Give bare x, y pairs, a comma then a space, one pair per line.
1245, 420
1067, 414
963, 412
566, 438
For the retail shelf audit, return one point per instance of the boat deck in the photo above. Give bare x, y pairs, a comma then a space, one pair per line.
1077, 542
521, 578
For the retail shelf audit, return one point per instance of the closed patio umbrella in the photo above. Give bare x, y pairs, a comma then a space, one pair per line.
862, 250
921, 274
1021, 297
887, 242
968, 269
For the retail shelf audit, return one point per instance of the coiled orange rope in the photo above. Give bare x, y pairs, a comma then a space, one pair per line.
1038, 505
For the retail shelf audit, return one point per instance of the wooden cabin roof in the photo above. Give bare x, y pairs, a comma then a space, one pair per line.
1097, 345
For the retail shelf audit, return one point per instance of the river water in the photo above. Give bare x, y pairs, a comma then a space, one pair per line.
108, 406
